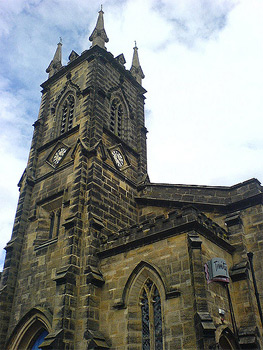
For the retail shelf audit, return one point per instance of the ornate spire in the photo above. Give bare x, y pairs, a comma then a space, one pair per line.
136, 69
99, 36
55, 64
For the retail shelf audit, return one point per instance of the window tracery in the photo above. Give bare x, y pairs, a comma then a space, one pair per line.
152, 338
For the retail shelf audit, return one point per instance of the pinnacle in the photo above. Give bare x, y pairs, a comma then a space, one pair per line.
99, 36
136, 68
56, 63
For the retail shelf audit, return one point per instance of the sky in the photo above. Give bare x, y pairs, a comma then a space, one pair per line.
202, 62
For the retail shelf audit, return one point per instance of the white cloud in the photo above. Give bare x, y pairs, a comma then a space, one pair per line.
202, 60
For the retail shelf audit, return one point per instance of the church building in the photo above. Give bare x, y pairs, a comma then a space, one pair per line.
102, 258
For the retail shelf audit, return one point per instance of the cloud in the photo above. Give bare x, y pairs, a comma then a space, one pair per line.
202, 62
193, 20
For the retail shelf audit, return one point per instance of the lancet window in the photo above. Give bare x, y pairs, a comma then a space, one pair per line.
151, 313
67, 114
116, 116
54, 223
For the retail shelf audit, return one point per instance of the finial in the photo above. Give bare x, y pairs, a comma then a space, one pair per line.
135, 43
101, 7
99, 36
136, 69
56, 63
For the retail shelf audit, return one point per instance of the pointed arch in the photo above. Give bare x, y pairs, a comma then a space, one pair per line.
144, 269
116, 116
33, 325
65, 113
64, 107
119, 111
144, 295
225, 338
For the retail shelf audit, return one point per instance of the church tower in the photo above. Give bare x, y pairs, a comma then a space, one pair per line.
100, 257
87, 159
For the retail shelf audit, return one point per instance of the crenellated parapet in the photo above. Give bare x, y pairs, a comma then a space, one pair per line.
161, 227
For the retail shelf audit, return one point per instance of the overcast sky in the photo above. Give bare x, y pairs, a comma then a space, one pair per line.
203, 65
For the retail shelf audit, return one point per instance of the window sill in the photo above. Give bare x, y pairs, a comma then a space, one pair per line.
44, 244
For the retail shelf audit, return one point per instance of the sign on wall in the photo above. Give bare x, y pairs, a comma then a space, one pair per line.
216, 271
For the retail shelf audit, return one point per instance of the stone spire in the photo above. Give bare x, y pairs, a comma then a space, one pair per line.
136, 69
55, 64
99, 36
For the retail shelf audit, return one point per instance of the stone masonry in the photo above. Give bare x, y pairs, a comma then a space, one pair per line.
100, 257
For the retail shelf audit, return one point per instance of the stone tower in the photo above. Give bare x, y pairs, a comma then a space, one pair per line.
100, 257
87, 158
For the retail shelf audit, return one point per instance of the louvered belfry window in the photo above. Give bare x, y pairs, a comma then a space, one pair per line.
67, 114
116, 114
152, 338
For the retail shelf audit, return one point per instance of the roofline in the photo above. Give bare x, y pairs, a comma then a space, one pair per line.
227, 188
204, 206
84, 56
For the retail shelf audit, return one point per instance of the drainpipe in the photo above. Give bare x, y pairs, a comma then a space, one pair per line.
250, 258
232, 314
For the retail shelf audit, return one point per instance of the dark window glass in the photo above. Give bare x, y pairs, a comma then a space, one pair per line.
157, 314
145, 322
39, 340
152, 337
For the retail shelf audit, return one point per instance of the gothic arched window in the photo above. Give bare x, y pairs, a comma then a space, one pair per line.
116, 116
152, 338
67, 113
31, 330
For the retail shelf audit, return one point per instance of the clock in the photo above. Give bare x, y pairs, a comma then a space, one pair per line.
118, 158
58, 155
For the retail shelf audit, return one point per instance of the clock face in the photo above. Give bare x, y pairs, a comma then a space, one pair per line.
118, 158
58, 155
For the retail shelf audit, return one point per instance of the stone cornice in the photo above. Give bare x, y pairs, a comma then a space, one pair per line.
222, 208
213, 198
